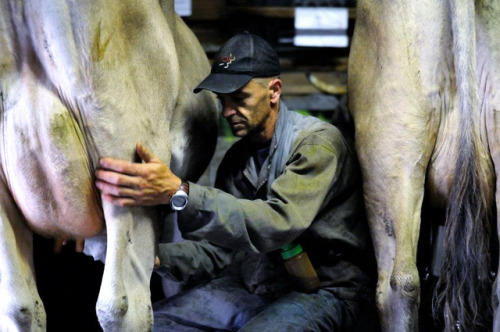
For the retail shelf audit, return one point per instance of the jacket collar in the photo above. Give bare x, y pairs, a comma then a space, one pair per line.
281, 144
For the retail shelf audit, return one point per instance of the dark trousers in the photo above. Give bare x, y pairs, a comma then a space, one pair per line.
225, 305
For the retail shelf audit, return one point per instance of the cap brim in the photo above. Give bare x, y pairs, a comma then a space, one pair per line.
223, 83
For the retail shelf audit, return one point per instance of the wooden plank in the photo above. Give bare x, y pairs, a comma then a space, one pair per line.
276, 12
207, 10
312, 102
296, 83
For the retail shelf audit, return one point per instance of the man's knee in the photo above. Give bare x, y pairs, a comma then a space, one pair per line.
320, 311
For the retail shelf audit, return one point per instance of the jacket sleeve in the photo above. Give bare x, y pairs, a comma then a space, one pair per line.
188, 262
296, 197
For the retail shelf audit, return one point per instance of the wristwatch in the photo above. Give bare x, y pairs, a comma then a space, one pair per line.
179, 200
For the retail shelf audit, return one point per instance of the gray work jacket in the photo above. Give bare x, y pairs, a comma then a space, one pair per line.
308, 191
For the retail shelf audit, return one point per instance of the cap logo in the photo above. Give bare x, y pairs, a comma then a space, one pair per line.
226, 60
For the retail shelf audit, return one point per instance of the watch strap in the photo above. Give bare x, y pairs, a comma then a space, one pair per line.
184, 187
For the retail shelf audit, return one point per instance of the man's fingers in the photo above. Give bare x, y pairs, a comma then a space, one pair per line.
146, 155
118, 179
121, 201
122, 166
143, 152
116, 190
128, 201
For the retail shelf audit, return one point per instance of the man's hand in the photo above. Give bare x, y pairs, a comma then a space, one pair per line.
131, 184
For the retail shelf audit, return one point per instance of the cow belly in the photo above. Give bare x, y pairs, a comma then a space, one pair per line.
46, 165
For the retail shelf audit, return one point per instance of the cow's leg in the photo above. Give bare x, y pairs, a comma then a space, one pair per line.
394, 142
496, 285
488, 57
394, 194
494, 140
396, 105
124, 302
492, 105
21, 308
395, 136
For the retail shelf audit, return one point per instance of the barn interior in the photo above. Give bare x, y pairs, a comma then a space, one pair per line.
314, 59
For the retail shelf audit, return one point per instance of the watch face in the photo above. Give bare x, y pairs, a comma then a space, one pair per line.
178, 202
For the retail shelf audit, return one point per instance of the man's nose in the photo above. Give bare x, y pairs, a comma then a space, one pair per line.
228, 109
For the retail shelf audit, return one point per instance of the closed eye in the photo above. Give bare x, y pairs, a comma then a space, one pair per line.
238, 99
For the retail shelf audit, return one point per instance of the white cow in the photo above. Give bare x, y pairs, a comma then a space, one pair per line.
424, 91
80, 80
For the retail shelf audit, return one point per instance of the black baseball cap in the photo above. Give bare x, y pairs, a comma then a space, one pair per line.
240, 59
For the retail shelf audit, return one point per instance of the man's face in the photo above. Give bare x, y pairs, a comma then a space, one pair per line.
247, 110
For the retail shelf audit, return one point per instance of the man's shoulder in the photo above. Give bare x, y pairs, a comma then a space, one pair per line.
312, 130
311, 124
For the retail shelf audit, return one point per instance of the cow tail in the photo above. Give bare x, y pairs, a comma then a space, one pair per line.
463, 290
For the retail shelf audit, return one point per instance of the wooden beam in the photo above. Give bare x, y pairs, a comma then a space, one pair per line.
276, 12
297, 83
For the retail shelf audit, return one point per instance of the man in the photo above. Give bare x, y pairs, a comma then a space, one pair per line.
290, 179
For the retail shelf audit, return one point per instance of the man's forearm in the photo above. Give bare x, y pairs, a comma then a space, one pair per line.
190, 261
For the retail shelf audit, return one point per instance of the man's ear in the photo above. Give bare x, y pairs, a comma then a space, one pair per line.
275, 88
